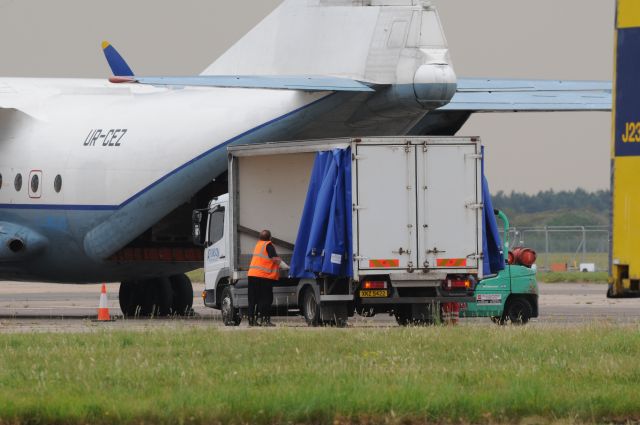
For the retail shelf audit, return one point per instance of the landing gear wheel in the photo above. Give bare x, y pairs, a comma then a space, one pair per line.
182, 295
126, 297
518, 311
164, 298
310, 308
230, 313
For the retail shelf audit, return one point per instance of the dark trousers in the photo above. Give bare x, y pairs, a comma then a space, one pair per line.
260, 298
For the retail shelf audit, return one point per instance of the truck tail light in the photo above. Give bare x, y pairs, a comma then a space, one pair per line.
375, 284
457, 283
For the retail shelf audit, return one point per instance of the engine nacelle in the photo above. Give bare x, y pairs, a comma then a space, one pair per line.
19, 242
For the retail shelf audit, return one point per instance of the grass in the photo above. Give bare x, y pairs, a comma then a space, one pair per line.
573, 260
325, 376
196, 275
572, 277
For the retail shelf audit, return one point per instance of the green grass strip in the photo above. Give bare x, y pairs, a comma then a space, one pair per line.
322, 376
572, 277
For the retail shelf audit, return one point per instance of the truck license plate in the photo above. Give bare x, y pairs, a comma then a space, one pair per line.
378, 293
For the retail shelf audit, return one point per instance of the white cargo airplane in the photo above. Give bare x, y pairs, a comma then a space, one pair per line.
98, 178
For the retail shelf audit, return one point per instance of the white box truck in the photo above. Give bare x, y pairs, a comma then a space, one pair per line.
413, 227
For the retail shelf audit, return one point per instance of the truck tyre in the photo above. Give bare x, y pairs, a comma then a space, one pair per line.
406, 316
310, 308
403, 316
230, 314
518, 311
182, 295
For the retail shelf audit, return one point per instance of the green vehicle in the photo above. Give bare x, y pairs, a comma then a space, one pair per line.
512, 294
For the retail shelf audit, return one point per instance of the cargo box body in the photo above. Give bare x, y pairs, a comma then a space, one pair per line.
416, 213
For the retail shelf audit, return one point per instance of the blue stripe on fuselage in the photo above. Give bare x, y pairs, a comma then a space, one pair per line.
55, 207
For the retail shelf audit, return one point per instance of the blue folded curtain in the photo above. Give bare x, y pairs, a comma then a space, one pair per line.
324, 241
493, 260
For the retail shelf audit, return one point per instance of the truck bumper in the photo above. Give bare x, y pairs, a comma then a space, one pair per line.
416, 300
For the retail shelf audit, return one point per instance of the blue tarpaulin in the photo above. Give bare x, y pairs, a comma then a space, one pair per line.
493, 259
324, 243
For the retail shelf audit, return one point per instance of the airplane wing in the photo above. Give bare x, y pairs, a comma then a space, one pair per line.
487, 95
123, 74
304, 83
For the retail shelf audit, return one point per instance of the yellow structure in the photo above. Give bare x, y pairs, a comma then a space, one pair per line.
625, 163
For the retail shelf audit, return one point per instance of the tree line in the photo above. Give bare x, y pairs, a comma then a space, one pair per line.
550, 200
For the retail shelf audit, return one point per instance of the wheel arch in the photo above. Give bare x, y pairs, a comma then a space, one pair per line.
220, 284
531, 298
302, 286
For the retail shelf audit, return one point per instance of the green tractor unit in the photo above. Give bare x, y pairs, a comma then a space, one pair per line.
512, 294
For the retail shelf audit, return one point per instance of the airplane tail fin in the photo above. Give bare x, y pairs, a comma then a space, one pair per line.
374, 41
118, 65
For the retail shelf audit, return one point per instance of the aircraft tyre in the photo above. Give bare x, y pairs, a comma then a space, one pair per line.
182, 295
126, 296
152, 297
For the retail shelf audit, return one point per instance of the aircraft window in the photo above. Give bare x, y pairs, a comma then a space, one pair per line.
216, 226
57, 183
35, 183
17, 183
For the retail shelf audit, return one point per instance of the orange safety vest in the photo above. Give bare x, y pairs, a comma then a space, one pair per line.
261, 265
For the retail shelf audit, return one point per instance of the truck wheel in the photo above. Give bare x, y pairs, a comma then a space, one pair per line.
182, 295
610, 292
403, 316
519, 311
310, 308
230, 314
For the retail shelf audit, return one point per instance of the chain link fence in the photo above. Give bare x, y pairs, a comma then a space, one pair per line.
572, 248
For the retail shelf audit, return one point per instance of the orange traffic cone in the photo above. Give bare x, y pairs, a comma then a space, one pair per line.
103, 308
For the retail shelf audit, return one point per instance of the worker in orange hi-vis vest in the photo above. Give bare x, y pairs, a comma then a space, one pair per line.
264, 271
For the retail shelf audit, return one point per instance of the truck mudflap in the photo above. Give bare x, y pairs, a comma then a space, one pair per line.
416, 300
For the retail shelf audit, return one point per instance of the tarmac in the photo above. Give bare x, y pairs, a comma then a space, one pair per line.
44, 307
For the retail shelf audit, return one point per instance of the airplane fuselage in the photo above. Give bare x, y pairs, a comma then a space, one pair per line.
111, 160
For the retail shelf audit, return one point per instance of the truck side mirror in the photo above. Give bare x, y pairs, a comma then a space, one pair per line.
198, 233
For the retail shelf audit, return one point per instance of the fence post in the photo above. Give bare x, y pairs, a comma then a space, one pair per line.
546, 247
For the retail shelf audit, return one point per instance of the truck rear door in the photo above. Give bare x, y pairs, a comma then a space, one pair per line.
450, 205
386, 201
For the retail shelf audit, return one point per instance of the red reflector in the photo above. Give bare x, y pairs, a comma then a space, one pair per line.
451, 262
383, 264
375, 285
